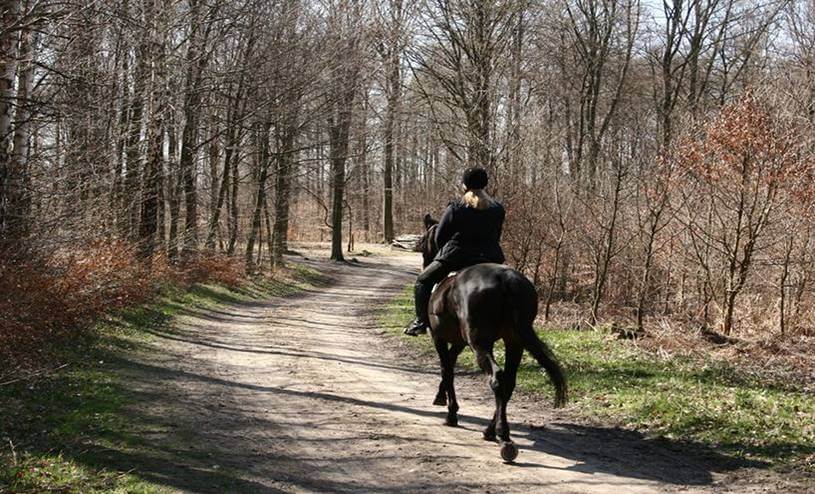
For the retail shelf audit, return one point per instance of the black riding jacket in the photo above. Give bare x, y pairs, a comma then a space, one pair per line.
467, 236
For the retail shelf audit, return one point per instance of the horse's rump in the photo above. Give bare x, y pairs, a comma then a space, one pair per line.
497, 294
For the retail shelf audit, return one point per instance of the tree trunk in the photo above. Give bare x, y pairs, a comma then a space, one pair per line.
393, 88
175, 181
260, 197
219, 197
782, 285
350, 228
339, 125
233, 216
148, 226
644, 281
282, 195
214, 159
133, 153
8, 68
645, 277
339, 146
17, 194
117, 198
196, 61
154, 167
553, 280
268, 221
390, 116
364, 169
608, 252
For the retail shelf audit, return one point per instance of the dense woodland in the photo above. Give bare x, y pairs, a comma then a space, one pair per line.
655, 158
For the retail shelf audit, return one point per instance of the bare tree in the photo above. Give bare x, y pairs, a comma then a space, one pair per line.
461, 52
9, 21
602, 35
343, 88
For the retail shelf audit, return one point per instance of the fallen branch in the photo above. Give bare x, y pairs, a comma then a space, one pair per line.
35, 374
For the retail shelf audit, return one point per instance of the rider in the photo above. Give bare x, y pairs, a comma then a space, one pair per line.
469, 233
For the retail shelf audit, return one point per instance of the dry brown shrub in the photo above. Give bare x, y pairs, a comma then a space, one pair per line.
213, 267
45, 299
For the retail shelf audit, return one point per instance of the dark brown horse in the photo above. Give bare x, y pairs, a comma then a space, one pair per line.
477, 307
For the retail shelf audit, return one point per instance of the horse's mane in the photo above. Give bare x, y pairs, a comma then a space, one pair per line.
427, 242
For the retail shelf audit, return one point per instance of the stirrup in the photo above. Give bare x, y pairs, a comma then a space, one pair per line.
416, 328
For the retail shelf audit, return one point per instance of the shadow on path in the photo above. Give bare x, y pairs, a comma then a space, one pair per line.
170, 457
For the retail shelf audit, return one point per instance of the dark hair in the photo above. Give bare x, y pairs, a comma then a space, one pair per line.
475, 178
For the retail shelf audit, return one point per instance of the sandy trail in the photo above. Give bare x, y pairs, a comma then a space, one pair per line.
307, 395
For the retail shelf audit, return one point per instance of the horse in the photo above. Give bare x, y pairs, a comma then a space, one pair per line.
476, 307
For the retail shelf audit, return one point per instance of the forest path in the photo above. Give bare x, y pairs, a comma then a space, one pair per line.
305, 394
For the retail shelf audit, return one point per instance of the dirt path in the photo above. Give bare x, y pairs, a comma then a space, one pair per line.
306, 395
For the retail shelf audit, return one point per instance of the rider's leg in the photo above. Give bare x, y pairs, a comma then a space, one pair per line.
433, 273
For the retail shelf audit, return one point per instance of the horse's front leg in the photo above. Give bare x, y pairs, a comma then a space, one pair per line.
489, 432
444, 357
443, 394
452, 402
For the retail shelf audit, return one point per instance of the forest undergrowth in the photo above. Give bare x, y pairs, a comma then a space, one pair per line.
48, 300
62, 422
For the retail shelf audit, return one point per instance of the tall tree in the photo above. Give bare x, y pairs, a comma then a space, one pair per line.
9, 20
201, 24
18, 184
393, 15
347, 35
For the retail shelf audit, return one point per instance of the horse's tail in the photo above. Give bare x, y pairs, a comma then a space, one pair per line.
522, 300
547, 360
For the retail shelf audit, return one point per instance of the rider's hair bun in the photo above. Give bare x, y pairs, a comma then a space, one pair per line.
475, 178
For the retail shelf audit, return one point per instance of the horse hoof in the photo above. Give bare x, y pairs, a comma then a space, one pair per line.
490, 436
440, 401
509, 451
451, 422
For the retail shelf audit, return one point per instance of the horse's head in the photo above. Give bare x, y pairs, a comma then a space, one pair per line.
427, 243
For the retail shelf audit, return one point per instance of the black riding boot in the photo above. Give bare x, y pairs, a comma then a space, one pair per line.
421, 295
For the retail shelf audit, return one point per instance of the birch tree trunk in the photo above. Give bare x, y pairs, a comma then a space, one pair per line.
8, 67
18, 198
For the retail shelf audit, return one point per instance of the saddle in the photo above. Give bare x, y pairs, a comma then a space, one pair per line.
451, 274
437, 303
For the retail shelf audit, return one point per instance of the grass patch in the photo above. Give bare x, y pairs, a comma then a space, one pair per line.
705, 401
70, 431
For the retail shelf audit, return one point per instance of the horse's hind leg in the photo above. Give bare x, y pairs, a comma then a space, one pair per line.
486, 361
512, 361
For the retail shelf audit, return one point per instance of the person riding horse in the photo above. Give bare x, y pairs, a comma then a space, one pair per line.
469, 233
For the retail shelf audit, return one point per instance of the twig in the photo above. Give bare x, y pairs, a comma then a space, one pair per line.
13, 452
36, 374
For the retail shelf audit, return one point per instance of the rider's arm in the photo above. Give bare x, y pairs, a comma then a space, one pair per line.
501, 223
445, 231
